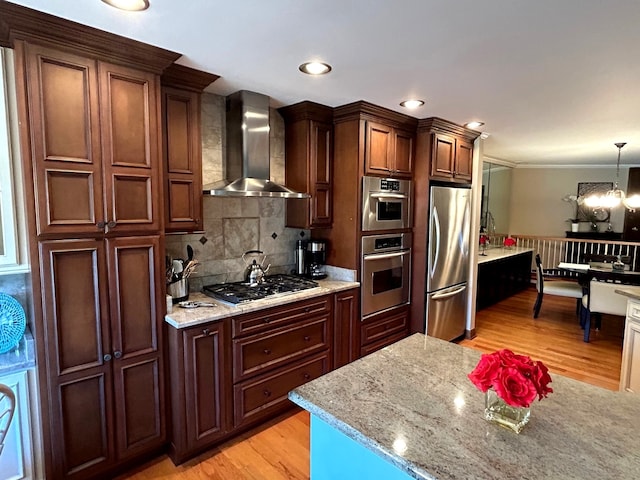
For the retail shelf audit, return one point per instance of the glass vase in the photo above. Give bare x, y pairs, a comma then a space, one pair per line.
497, 411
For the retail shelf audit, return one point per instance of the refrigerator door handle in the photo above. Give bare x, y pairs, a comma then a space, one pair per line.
435, 230
442, 296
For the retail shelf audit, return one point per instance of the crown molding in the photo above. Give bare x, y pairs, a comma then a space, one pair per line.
180, 76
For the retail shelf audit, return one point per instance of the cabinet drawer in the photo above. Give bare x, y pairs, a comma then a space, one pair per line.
270, 350
261, 397
633, 310
277, 316
372, 347
379, 328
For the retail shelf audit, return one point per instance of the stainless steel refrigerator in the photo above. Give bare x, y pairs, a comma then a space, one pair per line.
448, 261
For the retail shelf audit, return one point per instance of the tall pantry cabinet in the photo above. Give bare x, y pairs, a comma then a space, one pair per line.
91, 143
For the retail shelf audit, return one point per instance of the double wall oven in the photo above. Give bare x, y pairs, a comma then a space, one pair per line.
386, 252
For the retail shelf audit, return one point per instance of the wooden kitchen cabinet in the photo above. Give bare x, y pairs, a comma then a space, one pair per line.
630, 372
309, 163
103, 355
182, 147
346, 327
201, 388
388, 151
383, 329
94, 150
288, 346
446, 149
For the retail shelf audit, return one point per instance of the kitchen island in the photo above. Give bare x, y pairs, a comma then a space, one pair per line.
502, 272
409, 411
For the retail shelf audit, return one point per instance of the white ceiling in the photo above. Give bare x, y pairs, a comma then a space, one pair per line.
555, 81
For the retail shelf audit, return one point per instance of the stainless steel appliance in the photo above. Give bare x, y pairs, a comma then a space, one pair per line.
386, 272
448, 262
300, 253
316, 259
242, 292
386, 204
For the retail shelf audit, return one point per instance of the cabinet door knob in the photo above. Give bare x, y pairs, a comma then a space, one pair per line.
266, 319
106, 357
306, 376
267, 393
307, 310
205, 332
111, 224
101, 224
117, 354
307, 338
267, 351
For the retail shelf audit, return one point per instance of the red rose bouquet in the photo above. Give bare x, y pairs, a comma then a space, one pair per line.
516, 379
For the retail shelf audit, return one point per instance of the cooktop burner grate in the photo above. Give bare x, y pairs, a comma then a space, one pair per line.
241, 292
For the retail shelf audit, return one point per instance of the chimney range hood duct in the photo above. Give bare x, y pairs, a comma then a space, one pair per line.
248, 151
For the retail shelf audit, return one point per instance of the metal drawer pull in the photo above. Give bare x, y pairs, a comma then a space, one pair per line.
266, 351
266, 320
306, 376
101, 224
107, 357
307, 338
111, 224
205, 332
267, 393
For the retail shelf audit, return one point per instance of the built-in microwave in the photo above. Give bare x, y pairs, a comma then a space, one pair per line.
386, 204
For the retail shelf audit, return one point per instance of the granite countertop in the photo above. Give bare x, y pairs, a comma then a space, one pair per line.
629, 291
416, 393
21, 357
493, 254
188, 317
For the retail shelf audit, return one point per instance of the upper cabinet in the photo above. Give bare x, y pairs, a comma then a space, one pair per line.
309, 159
182, 147
389, 151
94, 144
450, 150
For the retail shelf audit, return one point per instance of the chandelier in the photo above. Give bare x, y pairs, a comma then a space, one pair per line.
614, 197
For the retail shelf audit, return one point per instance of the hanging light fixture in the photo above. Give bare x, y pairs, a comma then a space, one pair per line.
613, 198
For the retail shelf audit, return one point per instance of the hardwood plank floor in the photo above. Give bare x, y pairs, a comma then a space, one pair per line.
280, 449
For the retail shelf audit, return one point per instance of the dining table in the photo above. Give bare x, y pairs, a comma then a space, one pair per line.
601, 271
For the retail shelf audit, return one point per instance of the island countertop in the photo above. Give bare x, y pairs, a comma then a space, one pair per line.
493, 254
415, 395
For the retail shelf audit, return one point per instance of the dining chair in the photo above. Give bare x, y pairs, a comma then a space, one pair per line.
7, 409
601, 298
562, 288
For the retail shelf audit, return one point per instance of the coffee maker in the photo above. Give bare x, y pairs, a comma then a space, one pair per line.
315, 259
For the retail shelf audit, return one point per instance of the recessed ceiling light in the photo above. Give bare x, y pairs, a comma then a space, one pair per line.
474, 124
130, 5
315, 68
412, 103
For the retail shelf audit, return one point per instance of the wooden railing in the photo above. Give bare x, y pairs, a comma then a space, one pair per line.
554, 250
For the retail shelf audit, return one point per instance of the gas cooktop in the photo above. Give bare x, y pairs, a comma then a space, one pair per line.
242, 292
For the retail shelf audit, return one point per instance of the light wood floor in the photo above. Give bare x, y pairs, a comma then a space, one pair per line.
280, 449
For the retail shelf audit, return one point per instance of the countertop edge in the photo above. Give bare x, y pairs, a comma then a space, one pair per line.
358, 437
633, 293
499, 253
180, 318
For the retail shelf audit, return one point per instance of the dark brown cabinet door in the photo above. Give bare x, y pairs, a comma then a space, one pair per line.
78, 356
128, 117
403, 165
182, 160
135, 288
62, 94
321, 158
379, 150
443, 156
463, 170
346, 328
207, 396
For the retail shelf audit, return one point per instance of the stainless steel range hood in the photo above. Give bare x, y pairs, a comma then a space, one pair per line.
248, 151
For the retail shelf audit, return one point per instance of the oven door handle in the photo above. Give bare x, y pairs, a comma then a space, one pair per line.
401, 196
381, 256
442, 296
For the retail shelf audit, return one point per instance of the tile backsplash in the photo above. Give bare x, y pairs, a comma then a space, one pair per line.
234, 225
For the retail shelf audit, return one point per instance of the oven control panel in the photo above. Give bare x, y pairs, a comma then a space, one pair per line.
387, 184
390, 242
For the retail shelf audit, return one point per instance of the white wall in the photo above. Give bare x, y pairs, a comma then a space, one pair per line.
537, 207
